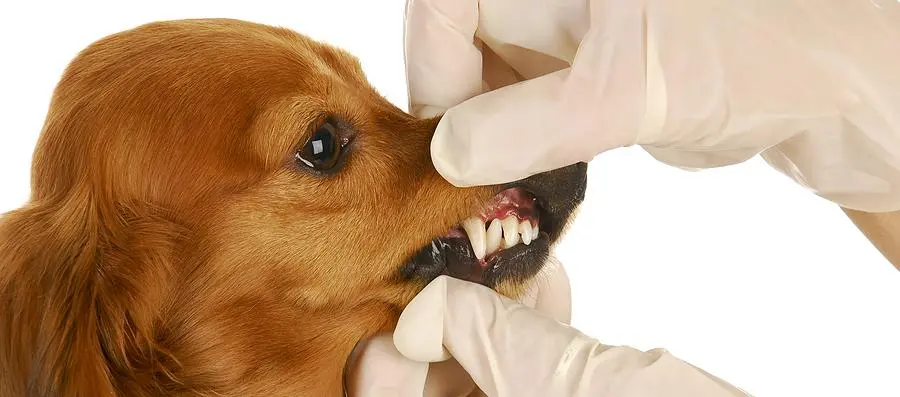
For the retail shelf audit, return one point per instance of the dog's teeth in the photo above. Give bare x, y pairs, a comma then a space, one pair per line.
525, 230
494, 235
510, 231
535, 232
477, 236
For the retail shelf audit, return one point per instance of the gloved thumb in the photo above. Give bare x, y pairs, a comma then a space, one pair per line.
503, 135
498, 341
511, 350
528, 128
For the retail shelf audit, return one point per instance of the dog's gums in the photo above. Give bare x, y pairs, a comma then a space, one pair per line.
511, 218
509, 238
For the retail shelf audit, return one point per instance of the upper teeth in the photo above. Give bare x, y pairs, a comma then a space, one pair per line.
494, 235
477, 236
510, 232
487, 241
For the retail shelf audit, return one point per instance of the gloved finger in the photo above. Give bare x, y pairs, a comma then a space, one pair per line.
560, 118
376, 368
535, 37
443, 65
491, 336
524, 39
518, 131
511, 350
446, 63
448, 378
550, 294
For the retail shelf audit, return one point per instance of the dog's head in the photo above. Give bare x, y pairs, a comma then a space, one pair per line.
235, 199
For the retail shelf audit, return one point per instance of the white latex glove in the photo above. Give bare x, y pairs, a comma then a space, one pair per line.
513, 348
811, 85
377, 369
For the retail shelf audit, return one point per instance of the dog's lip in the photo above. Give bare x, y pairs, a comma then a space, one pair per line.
459, 260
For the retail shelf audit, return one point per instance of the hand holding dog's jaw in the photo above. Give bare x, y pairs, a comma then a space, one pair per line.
424, 366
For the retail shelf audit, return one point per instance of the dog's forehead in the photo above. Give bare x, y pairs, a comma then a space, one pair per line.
230, 52
192, 95
224, 73
292, 52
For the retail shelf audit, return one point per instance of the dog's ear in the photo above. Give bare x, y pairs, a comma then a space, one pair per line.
80, 290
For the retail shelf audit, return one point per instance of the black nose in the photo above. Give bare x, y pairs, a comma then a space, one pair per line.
563, 188
559, 192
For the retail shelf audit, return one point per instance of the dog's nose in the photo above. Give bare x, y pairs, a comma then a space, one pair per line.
570, 181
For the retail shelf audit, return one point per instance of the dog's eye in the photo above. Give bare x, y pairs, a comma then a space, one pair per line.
323, 150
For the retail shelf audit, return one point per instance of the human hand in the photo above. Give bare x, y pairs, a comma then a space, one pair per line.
506, 348
378, 369
526, 86
456, 50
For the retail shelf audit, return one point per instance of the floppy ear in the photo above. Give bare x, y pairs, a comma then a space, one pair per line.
80, 288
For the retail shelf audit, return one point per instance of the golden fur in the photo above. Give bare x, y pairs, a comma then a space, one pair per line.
171, 246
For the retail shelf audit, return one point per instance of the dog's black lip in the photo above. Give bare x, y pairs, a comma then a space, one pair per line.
494, 268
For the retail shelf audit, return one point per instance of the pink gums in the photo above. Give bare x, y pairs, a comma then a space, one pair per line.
515, 201
510, 202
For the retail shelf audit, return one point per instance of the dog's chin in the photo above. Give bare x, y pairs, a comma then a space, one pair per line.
507, 243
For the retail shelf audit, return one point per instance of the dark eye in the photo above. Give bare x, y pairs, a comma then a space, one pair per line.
323, 150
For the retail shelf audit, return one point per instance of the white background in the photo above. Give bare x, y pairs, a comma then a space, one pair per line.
736, 270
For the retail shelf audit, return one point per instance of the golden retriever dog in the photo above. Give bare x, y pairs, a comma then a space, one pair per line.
223, 208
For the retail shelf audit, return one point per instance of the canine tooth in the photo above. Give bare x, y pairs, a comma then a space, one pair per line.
475, 230
525, 229
535, 232
494, 235
510, 231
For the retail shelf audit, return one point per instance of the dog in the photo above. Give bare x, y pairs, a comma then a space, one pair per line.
225, 208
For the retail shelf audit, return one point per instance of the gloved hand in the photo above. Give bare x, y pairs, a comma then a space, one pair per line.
811, 85
511, 350
377, 369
